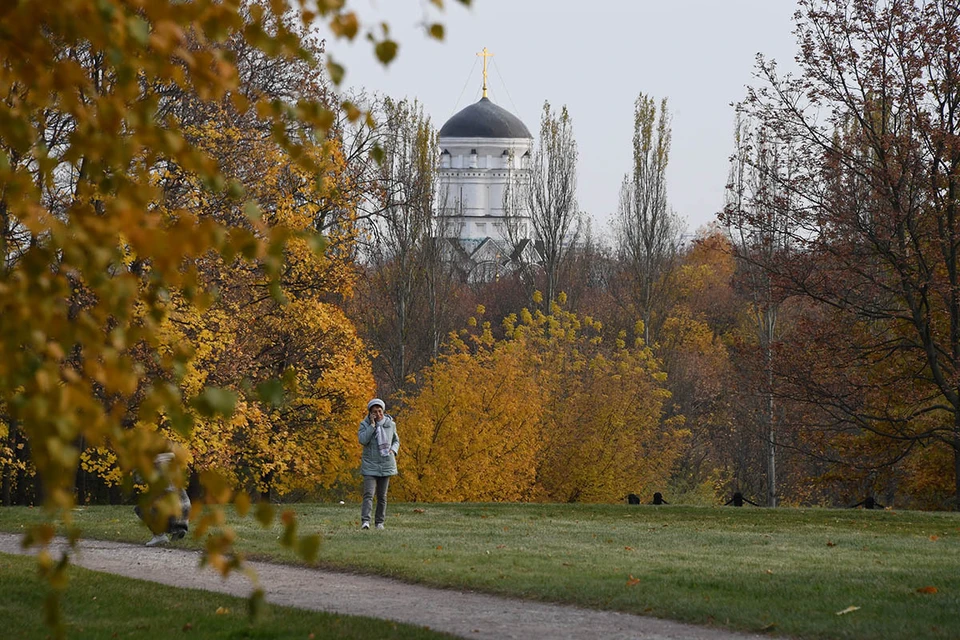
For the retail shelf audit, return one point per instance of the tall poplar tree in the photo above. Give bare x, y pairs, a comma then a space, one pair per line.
649, 233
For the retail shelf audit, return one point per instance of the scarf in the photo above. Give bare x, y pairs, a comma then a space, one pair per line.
382, 441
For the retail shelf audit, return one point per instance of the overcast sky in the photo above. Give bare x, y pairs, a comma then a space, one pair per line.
595, 57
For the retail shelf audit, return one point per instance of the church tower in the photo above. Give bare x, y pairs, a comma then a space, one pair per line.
485, 155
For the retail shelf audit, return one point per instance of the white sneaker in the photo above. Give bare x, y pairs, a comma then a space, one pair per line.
380, 526
159, 539
365, 525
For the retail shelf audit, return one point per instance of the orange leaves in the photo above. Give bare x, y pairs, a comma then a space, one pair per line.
927, 590
632, 582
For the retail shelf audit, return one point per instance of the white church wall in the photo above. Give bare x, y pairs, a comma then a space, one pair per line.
475, 179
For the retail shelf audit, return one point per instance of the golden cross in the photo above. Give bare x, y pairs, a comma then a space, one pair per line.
485, 55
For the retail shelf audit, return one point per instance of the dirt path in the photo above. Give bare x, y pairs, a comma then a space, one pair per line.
466, 614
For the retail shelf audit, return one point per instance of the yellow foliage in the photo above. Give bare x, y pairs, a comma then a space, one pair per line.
548, 413
471, 434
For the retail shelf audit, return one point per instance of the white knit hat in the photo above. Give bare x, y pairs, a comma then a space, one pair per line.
374, 402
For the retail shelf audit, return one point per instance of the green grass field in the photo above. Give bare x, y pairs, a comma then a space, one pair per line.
98, 605
784, 571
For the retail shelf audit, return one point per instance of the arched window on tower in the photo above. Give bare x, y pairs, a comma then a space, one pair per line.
473, 158
445, 159
525, 160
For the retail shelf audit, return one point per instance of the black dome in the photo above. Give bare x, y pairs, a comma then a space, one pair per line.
484, 120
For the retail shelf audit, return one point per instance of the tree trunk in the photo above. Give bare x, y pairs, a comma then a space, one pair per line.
956, 462
771, 455
769, 320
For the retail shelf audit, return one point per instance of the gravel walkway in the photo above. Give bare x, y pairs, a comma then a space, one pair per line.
466, 614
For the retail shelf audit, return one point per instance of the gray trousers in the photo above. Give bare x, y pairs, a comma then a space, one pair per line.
379, 485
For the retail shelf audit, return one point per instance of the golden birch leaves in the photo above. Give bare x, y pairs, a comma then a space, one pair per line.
548, 413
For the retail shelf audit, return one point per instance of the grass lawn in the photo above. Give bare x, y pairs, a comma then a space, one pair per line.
783, 571
98, 605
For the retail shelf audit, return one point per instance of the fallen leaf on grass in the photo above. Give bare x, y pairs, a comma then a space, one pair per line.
934, 538
831, 544
439, 547
768, 628
927, 590
769, 571
222, 611
418, 510
628, 548
850, 609
631, 581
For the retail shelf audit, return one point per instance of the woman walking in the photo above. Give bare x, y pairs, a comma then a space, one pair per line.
378, 435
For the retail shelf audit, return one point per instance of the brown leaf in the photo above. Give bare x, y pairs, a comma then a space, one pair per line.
927, 590
631, 581
849, 609
934, 538
831, 544
628, 548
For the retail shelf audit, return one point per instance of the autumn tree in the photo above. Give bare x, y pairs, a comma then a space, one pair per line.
694, 347
872, 120
91, 256
604, 421
560, 415
649, 233
470, 432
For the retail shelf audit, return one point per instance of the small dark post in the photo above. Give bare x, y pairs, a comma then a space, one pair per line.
633, 499
658, 498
